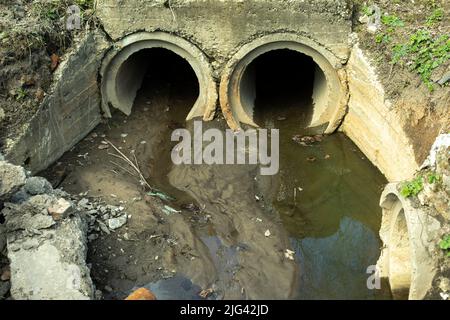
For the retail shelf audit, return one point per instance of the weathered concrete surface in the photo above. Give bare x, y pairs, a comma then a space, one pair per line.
222, 29
409, 256
123, 70
412, 228
11, 179
45, 239
219, 28
47, 253
373, 125
69, 112
238, 88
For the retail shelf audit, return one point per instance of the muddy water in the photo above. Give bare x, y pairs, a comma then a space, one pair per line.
323, 204
218, 239
326, 193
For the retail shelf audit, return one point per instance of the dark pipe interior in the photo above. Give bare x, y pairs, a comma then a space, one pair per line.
160, 72
284, 84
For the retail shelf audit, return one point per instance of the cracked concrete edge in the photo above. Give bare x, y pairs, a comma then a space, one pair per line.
47, 252
422, 234
69, 111
332, 66
124, 48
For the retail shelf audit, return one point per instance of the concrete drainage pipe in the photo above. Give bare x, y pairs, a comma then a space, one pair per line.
408, 235
237, 88
123, 70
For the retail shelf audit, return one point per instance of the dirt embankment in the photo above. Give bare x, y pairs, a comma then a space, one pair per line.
33, 38
411, 50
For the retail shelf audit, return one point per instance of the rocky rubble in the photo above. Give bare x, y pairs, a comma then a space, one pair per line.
101, 217
44, 236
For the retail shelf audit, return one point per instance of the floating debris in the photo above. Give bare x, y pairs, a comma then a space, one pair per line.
267, 233
160, 195
206, 293
289, 254
191, 207
169, 210
307, 141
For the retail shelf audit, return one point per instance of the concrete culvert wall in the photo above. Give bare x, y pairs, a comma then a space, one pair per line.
399, 259
126, 64
238, 88
408, 234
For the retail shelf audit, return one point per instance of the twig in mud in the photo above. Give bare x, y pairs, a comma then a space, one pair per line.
133, 165
124, 169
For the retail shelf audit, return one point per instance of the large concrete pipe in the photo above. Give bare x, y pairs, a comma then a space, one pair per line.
237, 87
123, 70
409, 235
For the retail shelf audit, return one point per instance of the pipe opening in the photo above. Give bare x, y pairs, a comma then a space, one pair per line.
158, 70
400, 269
281, 83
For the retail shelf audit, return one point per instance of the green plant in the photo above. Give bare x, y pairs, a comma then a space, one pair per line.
444, 244
433, 178
20, 94
392, 21
435, 17
383, 38
399, 51
412, 188
423, 53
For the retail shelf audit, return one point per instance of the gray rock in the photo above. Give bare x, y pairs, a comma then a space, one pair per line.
4, 288
2, 237
29, 215
12, 178
116, 223
55, 268
20, 196
37, 185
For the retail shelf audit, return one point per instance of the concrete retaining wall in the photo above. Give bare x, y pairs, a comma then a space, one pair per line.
375, 127
68, 113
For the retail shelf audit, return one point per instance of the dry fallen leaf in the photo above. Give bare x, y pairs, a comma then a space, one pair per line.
289, 254
54, 61
205, 293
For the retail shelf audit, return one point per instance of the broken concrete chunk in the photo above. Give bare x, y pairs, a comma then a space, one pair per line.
116, 223
56, 269
12, 178
60, 209
37, 185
